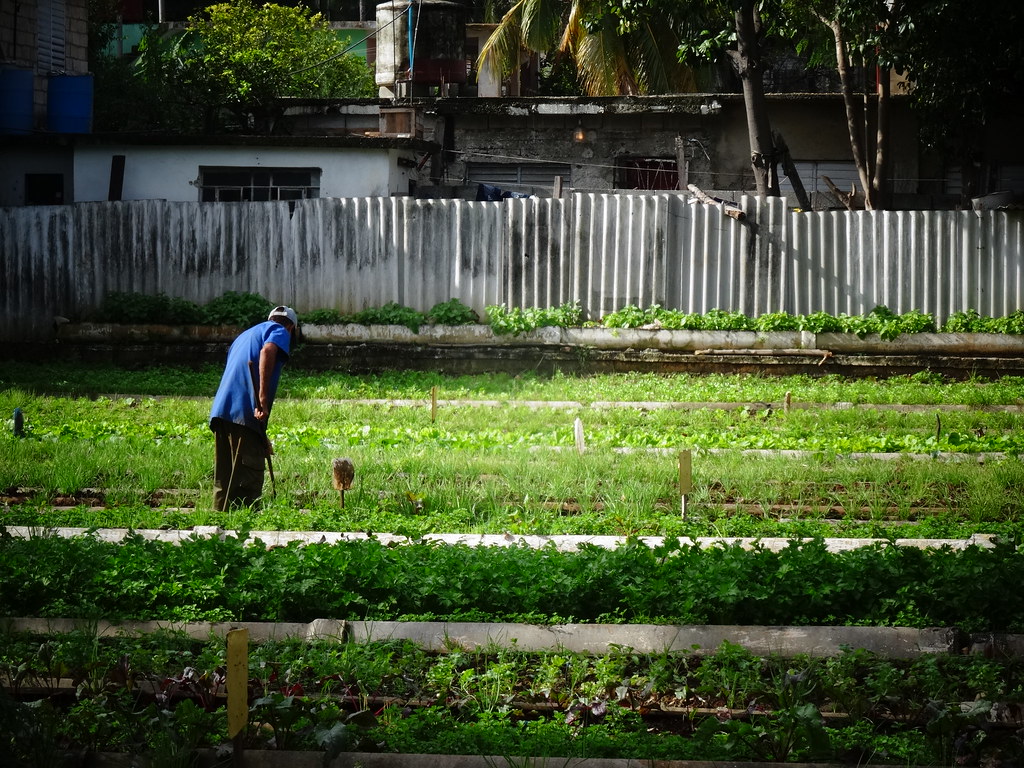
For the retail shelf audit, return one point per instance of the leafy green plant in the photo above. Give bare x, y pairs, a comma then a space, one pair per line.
504, 321
324, 317
207, 578
391, 313
120, 307
970, 321
631, 316
887, 324
177, 733
29, 732
452, 312
235, 308
778, 321
230, 309
241, 309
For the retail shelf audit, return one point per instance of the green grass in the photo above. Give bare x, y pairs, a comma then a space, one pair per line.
922, 388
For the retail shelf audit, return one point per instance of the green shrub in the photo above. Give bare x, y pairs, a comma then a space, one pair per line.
391, 313
972, 322
514, 321
777, 321
118, 307
821, 322
247, 309
324, 317
452, 312
631, 316
237, 309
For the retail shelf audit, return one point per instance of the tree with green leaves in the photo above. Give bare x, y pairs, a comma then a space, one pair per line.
964, 62
238, 59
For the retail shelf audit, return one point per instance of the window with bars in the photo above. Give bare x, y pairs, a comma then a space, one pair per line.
518, 174
232, 185
646, 173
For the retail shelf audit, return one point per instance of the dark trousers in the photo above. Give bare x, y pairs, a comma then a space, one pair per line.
240, 454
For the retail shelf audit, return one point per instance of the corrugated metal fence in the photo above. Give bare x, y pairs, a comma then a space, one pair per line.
605, 251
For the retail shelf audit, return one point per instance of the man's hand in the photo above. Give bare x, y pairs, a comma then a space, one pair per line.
268, 356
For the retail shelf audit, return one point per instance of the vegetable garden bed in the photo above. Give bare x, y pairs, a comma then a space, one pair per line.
164, 691
498, 463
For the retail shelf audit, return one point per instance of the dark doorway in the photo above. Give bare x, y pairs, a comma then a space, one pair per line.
44, 189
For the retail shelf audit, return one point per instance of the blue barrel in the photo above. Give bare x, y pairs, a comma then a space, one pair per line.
69, 104
16, 87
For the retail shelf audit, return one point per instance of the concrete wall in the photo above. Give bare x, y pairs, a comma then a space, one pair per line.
718, 146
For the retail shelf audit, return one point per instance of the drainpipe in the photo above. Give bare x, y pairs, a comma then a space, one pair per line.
411, 46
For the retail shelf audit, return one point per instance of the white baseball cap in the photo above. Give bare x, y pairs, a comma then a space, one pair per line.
285, 312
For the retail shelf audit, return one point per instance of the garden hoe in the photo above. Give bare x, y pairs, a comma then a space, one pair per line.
344, 471
269, 445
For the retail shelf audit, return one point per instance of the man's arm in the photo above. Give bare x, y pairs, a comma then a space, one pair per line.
268, 357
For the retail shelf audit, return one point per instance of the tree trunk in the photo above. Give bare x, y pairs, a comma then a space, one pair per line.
880, 182
746, 59
856, 142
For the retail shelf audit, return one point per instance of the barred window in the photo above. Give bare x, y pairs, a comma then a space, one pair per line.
232, 185
516, 175
646, 173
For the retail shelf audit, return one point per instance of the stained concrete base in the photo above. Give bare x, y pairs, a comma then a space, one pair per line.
818, 641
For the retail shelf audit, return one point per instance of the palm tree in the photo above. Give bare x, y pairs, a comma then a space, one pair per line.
614, 56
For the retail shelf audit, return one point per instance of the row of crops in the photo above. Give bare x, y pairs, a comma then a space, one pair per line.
100, 447
162, 696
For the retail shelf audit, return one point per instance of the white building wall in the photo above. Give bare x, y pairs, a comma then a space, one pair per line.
170, 173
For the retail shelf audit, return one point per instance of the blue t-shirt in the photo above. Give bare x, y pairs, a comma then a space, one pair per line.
236, 396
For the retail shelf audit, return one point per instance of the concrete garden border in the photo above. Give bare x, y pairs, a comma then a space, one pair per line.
973, 344
470, 349
441, 636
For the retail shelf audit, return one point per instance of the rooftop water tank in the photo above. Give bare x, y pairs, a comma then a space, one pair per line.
435, 32
69, 104
16, 87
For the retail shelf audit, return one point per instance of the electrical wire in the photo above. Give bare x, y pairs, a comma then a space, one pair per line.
470, 155
356, 44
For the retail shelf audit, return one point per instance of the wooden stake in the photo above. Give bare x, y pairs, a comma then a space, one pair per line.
238, 690
578, 430
685, 479
789, 401
433, 404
